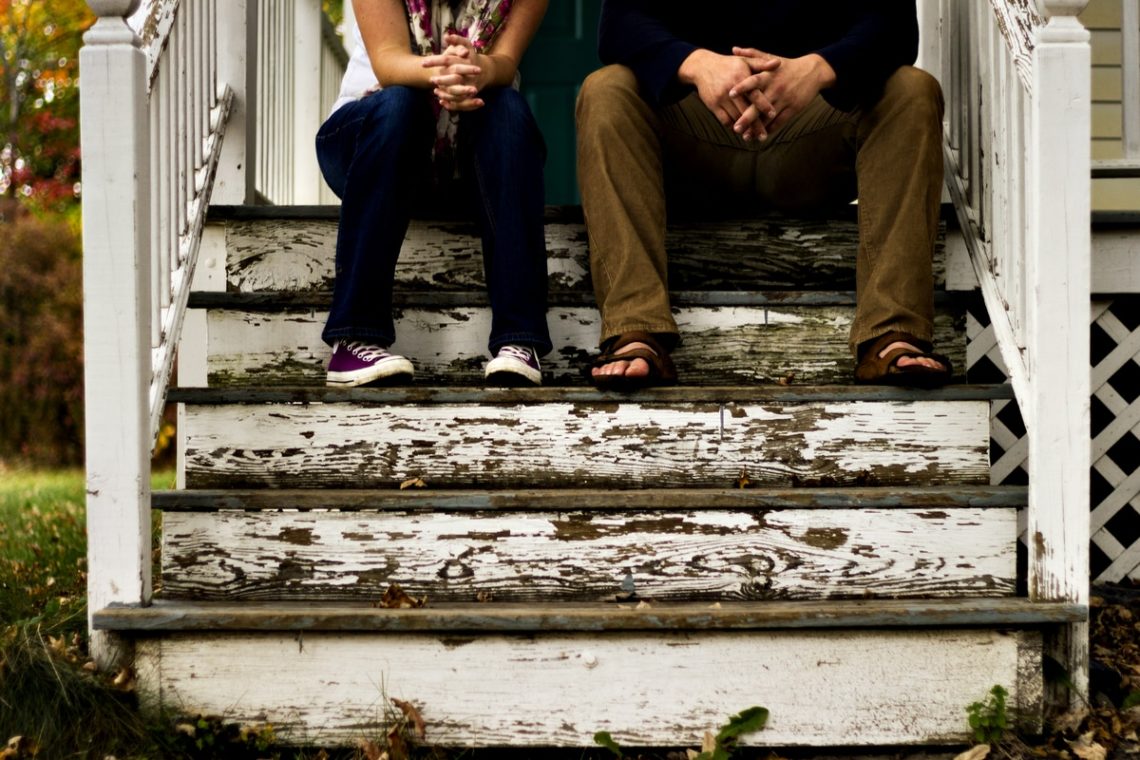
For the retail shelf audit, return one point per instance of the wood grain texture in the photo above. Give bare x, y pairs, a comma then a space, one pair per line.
605, 443
297, 254
575, 555
850, 688
721, 344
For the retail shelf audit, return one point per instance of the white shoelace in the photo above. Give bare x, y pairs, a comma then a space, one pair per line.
517, 352
366, 351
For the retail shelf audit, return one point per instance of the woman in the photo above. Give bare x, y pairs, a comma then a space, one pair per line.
428, 110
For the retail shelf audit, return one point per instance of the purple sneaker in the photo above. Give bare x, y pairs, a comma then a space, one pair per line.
514, 366
354, 364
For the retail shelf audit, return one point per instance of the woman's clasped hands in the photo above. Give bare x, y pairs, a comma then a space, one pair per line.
461, 74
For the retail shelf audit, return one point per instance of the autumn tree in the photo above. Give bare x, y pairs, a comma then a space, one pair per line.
39, 101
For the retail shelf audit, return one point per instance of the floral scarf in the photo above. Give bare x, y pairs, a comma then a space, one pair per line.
478, 20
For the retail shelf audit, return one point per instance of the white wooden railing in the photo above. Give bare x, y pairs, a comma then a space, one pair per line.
300, 61
154, 111
1016, 77
162, 85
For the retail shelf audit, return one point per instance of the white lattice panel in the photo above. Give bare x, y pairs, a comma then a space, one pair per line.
1115, 366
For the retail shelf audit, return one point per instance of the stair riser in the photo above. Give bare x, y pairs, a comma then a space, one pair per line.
605, 443
588, 556
722, 345
297, 255
836, 688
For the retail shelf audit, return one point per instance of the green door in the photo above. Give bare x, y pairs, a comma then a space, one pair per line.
563, 52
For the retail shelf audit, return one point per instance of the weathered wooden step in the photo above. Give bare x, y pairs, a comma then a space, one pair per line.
555, 437
729, 337
613, 617
594, 545
456, 500
292, 249
492, 675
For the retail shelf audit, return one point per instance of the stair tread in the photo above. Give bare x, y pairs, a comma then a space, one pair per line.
878, 497
284, 299
166, 615
789, 394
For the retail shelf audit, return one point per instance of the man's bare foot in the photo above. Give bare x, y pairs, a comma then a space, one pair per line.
634, 368
911, 361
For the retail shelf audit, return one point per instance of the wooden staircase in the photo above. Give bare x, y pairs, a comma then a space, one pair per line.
644, 564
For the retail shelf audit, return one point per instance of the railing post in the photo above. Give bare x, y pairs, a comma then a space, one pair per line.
930, 37
237, 67
114, 138
307, 49
1057, 331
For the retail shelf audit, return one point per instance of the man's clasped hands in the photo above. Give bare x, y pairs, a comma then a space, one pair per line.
752, 92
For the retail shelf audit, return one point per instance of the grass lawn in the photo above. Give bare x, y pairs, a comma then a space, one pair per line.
49, 695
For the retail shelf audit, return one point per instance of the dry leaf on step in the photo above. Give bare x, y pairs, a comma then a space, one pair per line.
1086, 749
395, 598
975, 753
413, 483
709, 744
692, 754
412, 714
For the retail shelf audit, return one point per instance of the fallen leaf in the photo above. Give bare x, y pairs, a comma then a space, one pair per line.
124, 679
1072, 720
413, 483
1086, 749
395, 598
692, 754
975, 753
411, 713
397, 746
787, 379
709, 742
369, 749
484, 596
714, 606
643, 606
743, 481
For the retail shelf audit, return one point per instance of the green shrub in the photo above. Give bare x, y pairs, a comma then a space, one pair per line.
41, 342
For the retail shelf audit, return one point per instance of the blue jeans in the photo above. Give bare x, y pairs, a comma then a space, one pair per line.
375, 154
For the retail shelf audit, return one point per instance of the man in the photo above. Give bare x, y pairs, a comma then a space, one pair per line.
790, 103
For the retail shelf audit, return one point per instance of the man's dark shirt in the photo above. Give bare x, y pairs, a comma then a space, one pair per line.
863, 40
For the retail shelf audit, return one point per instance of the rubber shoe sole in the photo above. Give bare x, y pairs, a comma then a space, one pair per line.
508, 372
391, 371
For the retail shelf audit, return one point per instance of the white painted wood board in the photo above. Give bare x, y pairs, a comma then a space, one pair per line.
595, 555
721, 344
833, 688
623, 444
298, 254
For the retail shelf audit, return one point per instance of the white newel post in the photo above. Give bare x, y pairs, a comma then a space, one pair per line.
1057, 336
114, 138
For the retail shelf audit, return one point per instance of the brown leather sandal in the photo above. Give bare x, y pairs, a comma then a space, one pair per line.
661, 368
875, 370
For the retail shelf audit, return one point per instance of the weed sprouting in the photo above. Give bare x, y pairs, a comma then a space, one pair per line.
989, 719
715, 747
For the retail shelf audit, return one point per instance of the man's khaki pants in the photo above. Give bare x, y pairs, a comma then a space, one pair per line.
888, 155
